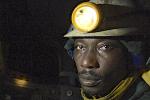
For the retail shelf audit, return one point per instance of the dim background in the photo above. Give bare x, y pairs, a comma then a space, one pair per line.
31, 33
32, 36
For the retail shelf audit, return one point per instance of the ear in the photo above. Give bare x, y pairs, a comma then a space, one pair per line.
69, 46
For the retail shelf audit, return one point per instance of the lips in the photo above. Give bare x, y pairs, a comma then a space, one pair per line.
88, 80
89, 83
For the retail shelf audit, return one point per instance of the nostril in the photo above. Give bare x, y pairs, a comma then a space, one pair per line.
90, 65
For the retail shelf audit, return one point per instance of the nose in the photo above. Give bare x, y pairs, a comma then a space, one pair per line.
90, 61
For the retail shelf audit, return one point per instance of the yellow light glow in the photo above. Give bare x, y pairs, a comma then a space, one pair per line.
21, 82
86, 17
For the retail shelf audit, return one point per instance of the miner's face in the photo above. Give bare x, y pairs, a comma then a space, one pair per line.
101, 64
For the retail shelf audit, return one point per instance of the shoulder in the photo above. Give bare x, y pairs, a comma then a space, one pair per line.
140, 90
146, 87
143, 90
145, 96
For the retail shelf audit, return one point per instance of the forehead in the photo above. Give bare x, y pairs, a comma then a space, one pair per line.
94, 40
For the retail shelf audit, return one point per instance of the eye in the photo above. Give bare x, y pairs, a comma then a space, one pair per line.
80, 48
104, 47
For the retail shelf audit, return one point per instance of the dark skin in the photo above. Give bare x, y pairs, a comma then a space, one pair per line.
101, 64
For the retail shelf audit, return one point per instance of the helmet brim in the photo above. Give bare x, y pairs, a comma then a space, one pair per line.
111, 32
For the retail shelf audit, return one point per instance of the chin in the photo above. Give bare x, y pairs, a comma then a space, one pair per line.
92, 91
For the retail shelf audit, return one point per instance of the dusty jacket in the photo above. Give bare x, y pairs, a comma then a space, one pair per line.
138, 91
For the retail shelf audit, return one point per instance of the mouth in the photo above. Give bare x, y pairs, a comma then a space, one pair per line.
89, 83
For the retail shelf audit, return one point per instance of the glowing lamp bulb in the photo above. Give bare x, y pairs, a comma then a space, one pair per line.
86, 17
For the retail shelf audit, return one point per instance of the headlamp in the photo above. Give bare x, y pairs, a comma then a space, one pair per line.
86, 17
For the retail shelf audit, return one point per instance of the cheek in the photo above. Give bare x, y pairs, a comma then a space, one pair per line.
77, 59
110, 62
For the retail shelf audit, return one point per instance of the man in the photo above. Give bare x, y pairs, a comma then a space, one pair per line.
107, 44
